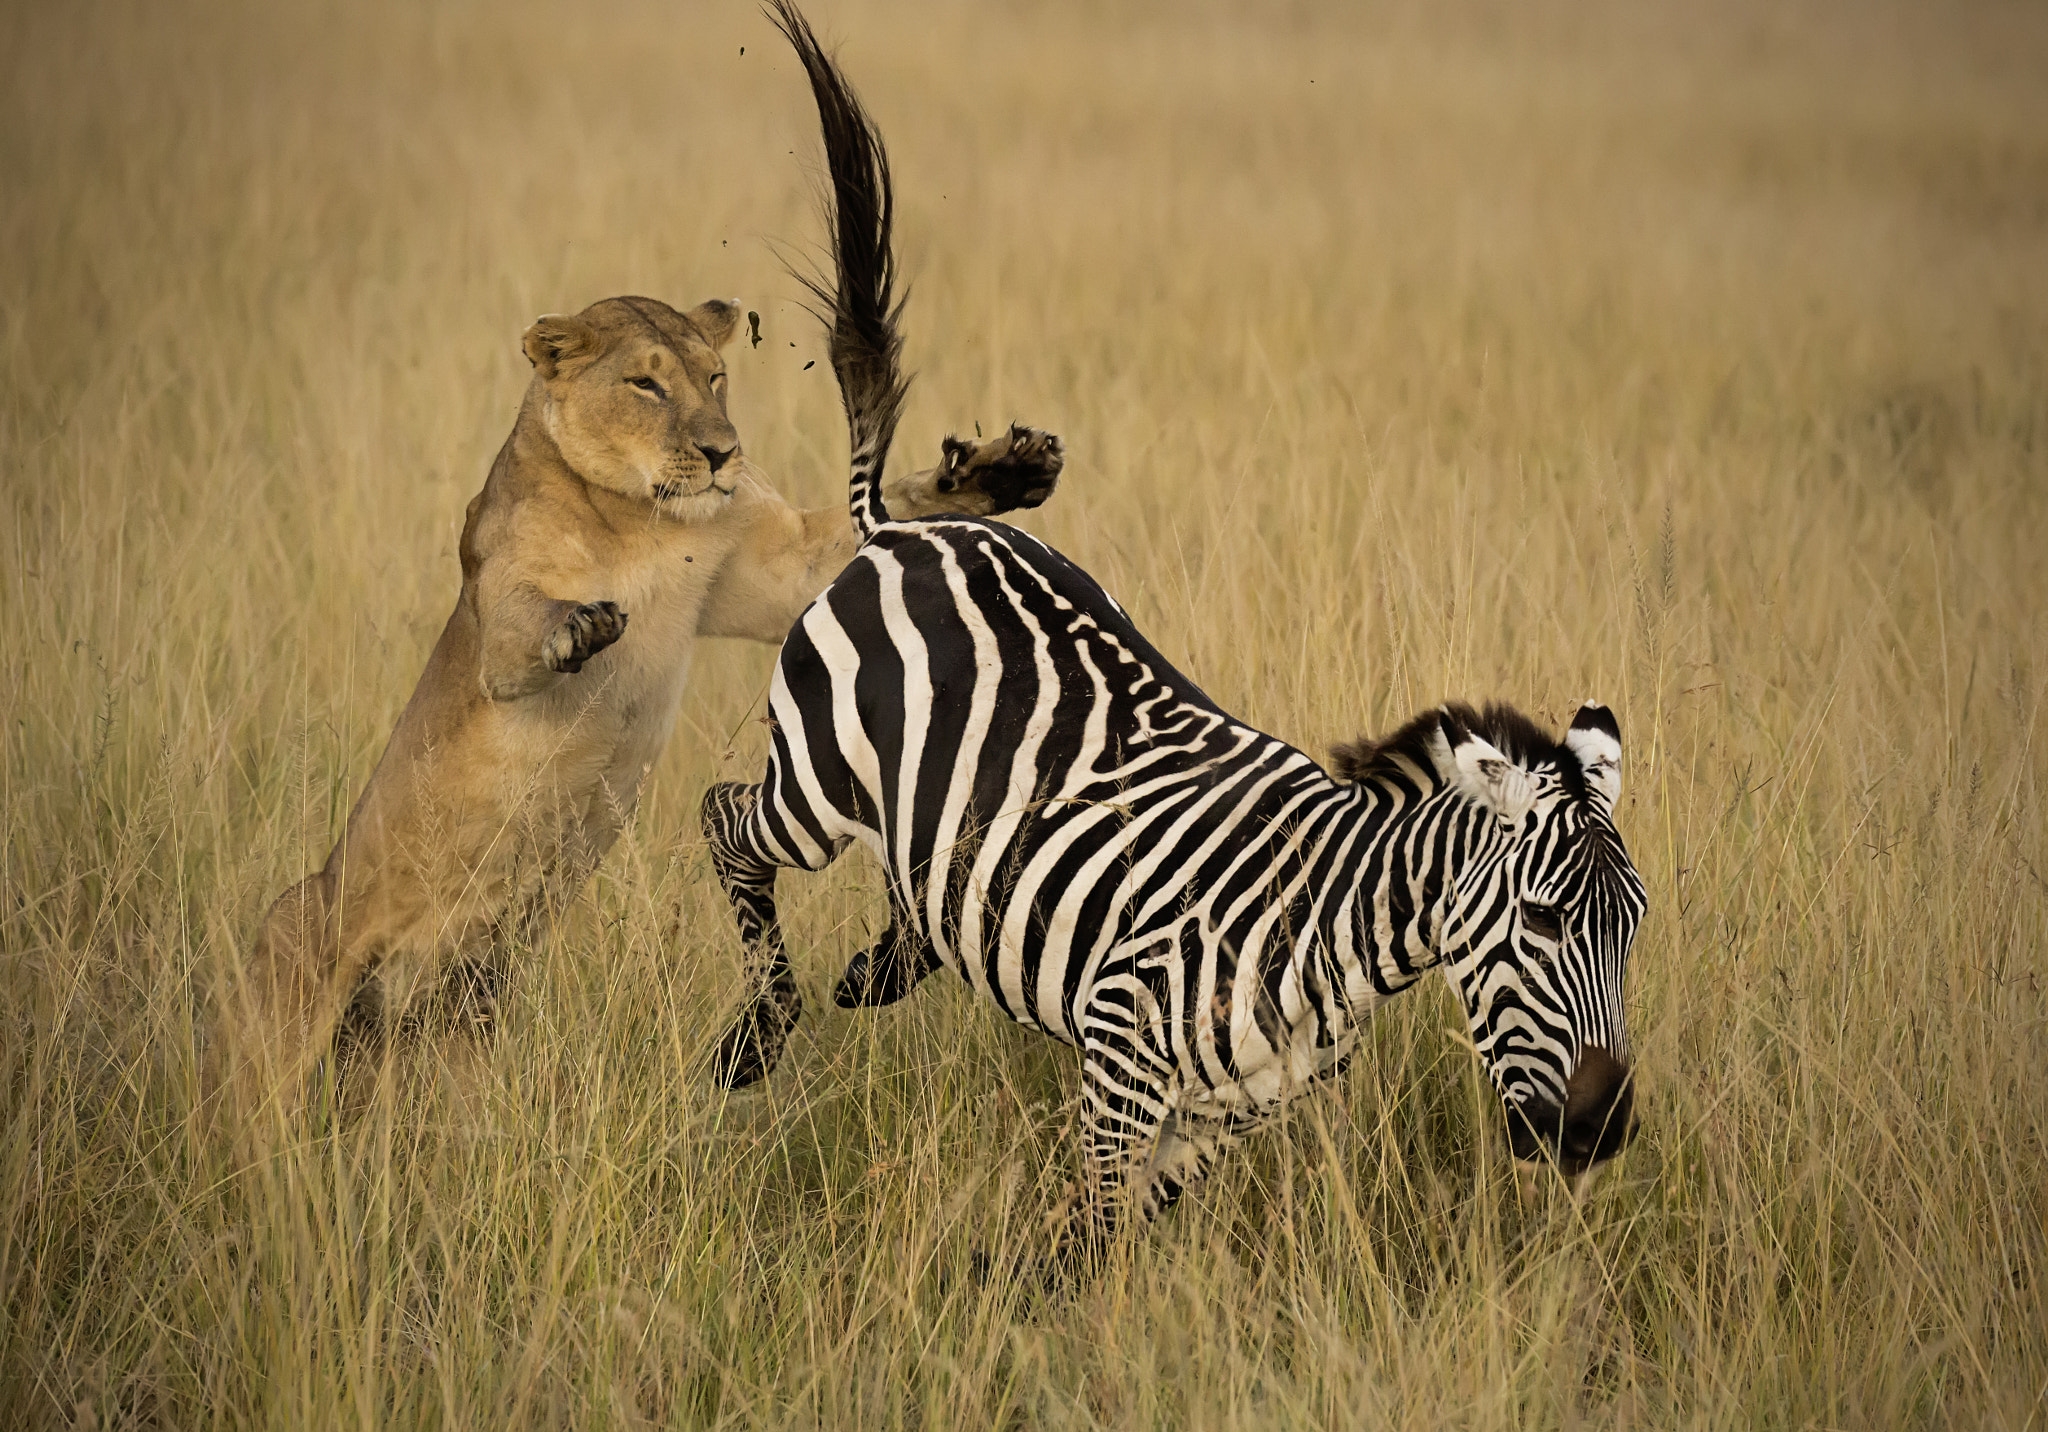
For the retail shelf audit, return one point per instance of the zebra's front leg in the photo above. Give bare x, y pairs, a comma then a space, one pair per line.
1129, 1170
1129, 1090
753, 1042
1188, 1148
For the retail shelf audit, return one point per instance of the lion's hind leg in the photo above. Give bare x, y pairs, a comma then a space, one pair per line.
281, 1011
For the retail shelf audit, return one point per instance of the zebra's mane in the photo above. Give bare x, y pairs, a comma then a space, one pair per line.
1514, 735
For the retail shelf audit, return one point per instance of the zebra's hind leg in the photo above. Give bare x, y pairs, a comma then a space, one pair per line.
753, 1042
888, 969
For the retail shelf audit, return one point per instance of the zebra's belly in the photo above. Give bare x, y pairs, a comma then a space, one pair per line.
1269, 1081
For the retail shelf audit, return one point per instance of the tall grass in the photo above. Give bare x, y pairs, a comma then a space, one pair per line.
1692, 359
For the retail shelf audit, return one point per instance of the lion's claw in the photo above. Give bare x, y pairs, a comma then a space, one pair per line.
588, 630
1018, 469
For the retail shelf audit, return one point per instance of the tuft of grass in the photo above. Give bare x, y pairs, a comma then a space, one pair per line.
1691, 360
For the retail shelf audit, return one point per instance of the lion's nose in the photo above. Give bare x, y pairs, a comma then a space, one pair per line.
717, 456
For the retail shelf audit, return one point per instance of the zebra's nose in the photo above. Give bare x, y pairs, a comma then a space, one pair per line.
1598, 1097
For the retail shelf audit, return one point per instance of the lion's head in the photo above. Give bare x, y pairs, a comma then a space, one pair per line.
633, 393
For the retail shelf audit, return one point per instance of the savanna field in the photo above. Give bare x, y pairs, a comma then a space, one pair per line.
1695, 359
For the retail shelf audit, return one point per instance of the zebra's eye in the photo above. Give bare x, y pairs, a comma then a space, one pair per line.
1542, 921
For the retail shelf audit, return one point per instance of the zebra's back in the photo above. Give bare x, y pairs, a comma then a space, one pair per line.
1041, 785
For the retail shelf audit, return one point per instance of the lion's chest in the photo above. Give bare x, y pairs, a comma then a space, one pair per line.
626, 697
663, 597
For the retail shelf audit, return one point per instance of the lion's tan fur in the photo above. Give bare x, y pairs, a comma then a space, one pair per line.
508, 776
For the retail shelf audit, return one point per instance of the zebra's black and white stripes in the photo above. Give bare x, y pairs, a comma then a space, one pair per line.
1074, 828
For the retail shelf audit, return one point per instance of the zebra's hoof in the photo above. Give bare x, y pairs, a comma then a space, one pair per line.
883, 973
857, 986
997, 1268
752, 1047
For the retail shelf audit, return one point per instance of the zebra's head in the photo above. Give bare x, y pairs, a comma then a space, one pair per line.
1538, 920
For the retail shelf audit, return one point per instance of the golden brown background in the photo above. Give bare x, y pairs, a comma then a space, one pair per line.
1690, 357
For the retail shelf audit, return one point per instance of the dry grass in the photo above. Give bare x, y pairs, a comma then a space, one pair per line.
1536, 352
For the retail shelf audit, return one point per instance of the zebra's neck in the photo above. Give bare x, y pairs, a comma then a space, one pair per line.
1391, 861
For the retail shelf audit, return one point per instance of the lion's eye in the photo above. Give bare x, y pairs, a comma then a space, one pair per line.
1543, 921
648, 385
718, 384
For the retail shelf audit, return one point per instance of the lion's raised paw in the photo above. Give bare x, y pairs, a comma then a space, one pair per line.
1019, 469
588, 630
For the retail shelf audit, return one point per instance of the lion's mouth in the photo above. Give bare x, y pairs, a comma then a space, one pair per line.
670, 491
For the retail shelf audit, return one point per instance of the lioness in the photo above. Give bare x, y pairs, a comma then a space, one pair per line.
619, 523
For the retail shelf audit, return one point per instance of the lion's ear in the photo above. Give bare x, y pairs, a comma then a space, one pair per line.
717, 319
556, 339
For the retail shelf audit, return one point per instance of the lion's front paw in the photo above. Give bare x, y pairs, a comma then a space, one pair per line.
1018, 469
589, 630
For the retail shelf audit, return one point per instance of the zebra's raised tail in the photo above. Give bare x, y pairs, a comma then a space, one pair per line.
862, 309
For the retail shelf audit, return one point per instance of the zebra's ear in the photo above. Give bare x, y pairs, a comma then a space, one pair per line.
1475, 766
1595, 738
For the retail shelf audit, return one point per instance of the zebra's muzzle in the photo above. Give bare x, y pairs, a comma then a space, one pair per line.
1595, 1123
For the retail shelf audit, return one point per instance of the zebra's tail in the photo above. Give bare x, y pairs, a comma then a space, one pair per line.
862, 309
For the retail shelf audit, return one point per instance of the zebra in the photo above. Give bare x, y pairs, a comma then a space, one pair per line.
1073, 827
